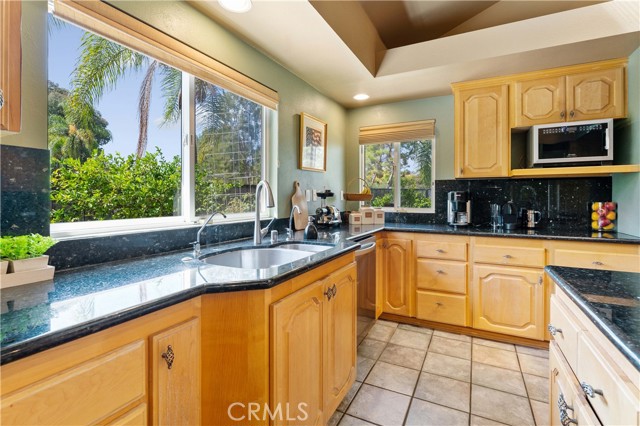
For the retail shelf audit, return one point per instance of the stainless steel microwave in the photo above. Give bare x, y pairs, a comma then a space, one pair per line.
572, 143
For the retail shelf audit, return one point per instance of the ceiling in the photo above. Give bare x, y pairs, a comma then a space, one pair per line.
399, 50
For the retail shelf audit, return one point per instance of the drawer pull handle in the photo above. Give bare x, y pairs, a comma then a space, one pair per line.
540, 280
438, 303
590, 391
562, 404
331, 292
507, 256
565, 420
169, 356
440, 271
597, 263
440, 251
553, 330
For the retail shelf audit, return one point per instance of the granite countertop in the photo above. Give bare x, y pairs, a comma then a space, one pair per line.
611, 300
85, 300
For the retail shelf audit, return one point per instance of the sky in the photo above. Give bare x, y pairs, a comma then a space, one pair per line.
119, 106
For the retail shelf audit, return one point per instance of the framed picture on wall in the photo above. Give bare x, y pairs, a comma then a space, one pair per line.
313, 143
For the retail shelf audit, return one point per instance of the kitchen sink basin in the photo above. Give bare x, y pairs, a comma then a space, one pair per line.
316, 248
253, 258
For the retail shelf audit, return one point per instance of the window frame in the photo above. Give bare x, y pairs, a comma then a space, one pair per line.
396, 178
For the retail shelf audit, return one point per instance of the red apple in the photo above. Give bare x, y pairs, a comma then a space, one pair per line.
603, 221
611, 206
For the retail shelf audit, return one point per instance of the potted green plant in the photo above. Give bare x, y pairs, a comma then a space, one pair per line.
27, 261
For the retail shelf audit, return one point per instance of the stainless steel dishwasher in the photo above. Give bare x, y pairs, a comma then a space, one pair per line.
366, 262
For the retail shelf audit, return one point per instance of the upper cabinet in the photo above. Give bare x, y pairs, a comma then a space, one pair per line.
541, 98
481, 131
10, 65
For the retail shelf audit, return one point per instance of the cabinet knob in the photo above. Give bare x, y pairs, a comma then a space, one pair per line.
572, 113
553, 330
561, 114
169, 356
461, 171
590, 391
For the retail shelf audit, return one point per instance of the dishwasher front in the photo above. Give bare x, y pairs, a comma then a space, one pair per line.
366, 263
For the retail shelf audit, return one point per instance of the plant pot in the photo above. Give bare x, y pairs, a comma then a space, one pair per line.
30, 264
4, 266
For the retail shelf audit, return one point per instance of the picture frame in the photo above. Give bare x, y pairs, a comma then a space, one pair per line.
313, 143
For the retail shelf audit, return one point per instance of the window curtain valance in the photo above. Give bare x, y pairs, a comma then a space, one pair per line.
398, 132
111, 23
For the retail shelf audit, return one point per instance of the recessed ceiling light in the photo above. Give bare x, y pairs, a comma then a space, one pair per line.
237, 6
361, 97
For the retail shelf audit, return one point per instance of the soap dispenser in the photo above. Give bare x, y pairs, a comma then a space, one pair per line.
310, 232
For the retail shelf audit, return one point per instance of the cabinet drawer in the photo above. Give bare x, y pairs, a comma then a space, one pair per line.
442, 250
567, 329
594, 258
509, 255
617, 400
446, 308
83, 394
441, 275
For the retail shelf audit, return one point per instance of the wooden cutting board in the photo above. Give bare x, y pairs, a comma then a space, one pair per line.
299, 219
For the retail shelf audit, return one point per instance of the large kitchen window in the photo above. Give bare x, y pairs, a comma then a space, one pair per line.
397, 162
137, 143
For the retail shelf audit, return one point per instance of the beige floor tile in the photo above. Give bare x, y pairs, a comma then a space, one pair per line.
448, 366
537, 387
349, 396
481, 421
363, 367
444, 391
535, 365
500, 406
415, 328
348, 420
404, 356
370, 348
387, 323
450, 347
494, 344
498, 378
425, 413
540, 412
379, 406
495, 357
454, 336
393, 377
335, 418
410, 339
381, 332
543, 353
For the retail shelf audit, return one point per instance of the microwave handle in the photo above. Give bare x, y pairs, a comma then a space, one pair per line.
606, 141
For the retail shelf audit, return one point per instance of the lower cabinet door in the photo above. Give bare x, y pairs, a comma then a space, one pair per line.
296, 357
176, 375
509, 300
340, 337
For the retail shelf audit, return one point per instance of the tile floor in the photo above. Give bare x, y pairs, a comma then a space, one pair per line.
410, 375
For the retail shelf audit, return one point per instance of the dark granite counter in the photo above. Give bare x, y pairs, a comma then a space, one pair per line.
611, 300
85, 300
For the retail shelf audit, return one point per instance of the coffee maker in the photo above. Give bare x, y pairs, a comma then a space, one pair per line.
458, 208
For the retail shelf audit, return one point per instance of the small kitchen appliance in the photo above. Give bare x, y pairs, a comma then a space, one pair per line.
328, 216
458, 208
573, 143
530, 218
509, 216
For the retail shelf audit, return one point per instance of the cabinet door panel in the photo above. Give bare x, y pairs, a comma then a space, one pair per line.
596, 94
482, 132
508, 300
340, 337
539, 101
397, 289
296, 356
176, 383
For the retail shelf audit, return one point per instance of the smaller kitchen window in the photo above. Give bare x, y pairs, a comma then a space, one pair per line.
397, 162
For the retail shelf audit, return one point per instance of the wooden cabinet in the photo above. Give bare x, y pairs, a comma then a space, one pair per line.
313, 348
397, 274
538, 101
606, 256
441, 279
10, 65
176, 375
597, 94
481, 131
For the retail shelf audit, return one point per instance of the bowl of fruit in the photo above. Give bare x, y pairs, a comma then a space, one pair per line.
603, 216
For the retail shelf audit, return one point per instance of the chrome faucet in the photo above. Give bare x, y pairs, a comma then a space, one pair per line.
196, 243
290, 230
258, 233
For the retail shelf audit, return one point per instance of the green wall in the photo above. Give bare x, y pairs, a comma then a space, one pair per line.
184, 23
626, 187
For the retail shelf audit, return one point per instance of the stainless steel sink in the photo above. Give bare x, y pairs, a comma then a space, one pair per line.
252, 258
304, 247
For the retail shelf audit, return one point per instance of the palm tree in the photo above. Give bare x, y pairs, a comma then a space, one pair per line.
102, 63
